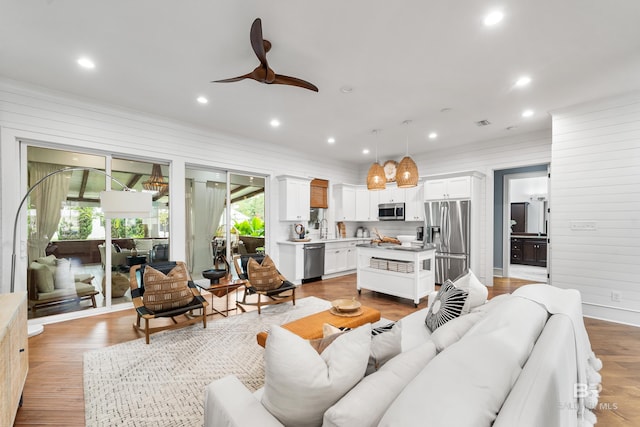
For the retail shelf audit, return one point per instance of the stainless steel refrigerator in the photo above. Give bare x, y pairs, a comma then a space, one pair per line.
447, 226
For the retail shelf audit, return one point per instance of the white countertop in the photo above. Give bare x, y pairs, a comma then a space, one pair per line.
344, 239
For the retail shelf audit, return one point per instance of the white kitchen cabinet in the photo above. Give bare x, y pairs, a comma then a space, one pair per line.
345, 201
414, 203
295, 196
291, 262
391, 194
366, 204
340, 257
458, 187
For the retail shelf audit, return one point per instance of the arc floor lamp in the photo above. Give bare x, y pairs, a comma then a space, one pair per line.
115, 204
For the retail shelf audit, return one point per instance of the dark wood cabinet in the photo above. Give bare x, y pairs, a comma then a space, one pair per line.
529, 251
519, 215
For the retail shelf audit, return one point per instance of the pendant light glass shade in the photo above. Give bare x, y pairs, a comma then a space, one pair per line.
376, 179
407, 173
407, 170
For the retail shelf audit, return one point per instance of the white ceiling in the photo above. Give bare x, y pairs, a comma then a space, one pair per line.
404, 60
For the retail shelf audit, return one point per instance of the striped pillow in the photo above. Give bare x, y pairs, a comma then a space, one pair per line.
447, 305
164, 292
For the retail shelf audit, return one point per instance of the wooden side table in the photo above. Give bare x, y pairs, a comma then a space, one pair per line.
310, 327
223, 288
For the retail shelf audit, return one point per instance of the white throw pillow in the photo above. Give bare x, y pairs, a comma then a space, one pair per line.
477, 291
63, 275
301, 384
386, 342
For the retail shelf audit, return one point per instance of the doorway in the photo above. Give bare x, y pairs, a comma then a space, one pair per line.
520, 223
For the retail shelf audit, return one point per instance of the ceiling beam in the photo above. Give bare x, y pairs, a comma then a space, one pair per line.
134, 180
248, 195
83, 184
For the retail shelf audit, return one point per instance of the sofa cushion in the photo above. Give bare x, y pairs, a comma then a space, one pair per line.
447, 305
47, 260
455, 329
300, 384
366, 403
263, 276
143, 245
43, 277
467, 383
477, 291
414, 330
163, 292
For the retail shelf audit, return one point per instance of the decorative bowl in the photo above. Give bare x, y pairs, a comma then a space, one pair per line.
406, 239
345, 305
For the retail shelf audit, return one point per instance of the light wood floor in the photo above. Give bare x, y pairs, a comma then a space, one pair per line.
53, 395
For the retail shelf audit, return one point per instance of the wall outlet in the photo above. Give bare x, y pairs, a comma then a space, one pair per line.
615, 296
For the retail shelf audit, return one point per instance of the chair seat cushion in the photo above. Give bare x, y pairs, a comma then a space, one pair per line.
264, 276
165, 292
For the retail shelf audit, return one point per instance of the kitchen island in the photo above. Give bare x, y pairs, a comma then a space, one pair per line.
406, 272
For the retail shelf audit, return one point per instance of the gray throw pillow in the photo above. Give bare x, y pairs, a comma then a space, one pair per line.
447, 305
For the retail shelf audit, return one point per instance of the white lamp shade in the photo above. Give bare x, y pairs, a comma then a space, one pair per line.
125, 204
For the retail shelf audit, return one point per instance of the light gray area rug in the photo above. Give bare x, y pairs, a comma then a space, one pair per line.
162, 384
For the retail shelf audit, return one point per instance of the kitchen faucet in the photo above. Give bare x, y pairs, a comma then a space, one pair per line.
324, 228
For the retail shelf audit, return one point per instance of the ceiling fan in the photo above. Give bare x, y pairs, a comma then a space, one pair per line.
262, 73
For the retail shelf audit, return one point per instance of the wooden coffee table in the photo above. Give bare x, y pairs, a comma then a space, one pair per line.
310, 327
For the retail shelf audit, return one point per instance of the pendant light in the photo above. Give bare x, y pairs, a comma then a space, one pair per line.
376, 179
156, 182
407, 171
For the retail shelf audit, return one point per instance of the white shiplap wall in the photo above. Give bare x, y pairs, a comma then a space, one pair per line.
70, 123
595, 180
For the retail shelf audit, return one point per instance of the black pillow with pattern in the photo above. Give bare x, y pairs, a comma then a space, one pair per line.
447, 305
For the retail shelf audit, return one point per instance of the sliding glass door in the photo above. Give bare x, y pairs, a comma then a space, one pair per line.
72, 251
225, 216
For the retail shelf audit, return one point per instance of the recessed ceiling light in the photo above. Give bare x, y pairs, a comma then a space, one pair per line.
493, 18
86, 63
365, 151
346, 89
202, 100
523, 81
275, 123
433, 135
527, 113
331, 140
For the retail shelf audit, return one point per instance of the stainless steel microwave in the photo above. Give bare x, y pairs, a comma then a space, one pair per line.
391, 212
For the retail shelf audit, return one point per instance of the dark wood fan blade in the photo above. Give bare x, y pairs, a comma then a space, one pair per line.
257, 42
293, 81
235, 79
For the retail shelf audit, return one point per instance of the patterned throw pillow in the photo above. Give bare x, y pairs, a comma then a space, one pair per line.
164, 292
447, 305
265, 276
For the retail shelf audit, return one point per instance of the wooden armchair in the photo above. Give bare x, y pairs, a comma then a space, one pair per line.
156, 305
286, 291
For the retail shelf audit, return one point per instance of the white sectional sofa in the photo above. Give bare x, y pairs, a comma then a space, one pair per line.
519, 360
